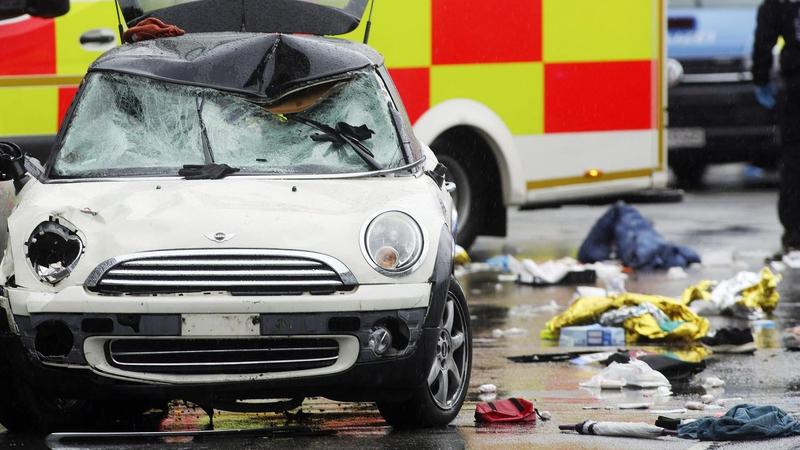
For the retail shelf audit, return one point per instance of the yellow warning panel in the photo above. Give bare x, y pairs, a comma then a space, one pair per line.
28, 110
84, 17
401, 31
514, 91
592, 30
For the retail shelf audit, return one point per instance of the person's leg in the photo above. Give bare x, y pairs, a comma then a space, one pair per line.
789, 196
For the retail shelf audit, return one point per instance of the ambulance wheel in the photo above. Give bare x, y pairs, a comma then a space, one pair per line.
688, 172
439, 399
470, 197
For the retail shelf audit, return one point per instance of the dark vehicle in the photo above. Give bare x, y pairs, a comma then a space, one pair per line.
713, 114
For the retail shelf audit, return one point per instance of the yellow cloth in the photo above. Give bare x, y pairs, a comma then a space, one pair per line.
587, 310
761, 296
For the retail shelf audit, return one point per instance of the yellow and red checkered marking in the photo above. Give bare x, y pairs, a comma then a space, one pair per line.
545, 66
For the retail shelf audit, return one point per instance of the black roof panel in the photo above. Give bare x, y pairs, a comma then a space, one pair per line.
266, 66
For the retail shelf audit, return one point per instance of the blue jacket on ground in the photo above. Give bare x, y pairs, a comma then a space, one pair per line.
742, 423
623, 230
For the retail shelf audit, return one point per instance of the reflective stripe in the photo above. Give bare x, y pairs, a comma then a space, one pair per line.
40, 80
567, 181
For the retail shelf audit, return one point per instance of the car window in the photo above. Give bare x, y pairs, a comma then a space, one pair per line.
129, 125
713, 3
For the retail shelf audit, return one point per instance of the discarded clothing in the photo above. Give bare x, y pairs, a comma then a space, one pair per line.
742, 423
504, 411
682, 323
635, 373
623, 232
748, 295
549, 357
561, 271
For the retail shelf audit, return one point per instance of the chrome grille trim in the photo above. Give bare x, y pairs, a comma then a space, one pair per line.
181, 355
233, 270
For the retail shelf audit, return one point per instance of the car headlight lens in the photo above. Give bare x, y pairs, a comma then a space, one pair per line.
53, 250
393, 242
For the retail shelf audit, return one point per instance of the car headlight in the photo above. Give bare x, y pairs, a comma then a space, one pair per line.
393, 243
53, 251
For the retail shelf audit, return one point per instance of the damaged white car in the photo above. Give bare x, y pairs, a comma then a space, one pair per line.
231, 216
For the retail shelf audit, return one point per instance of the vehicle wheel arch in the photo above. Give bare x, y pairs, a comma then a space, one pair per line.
490, 127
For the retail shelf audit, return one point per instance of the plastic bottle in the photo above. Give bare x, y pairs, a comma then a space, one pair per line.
765, 334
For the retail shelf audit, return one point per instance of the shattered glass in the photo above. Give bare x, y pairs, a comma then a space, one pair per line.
128, 125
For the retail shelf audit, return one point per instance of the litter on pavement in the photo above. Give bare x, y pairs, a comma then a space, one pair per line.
748, 295
741, 423
623, 233
677, 323
620, 429
591, 336
505, 411
633, 374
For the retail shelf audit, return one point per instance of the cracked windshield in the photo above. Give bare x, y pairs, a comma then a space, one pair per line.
400, 224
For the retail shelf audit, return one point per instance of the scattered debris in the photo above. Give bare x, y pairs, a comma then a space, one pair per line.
533, 310
506, 410
713, 382
510, 332
591, 336
461, 256
748, 295
621, 429
731, 340
635, 373
640, 405
677, 273
487, 388
623, 232
740, 423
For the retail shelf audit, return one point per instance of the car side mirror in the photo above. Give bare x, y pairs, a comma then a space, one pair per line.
12, 162
37, 8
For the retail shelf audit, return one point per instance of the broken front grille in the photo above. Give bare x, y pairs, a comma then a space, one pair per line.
238, 271
221, 356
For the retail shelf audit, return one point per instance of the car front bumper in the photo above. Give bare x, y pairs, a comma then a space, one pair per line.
88, 369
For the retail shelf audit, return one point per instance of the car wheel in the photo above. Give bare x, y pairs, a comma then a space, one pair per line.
469, 197
439, 399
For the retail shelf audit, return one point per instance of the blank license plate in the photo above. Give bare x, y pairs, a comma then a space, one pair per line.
687, 137
220, 325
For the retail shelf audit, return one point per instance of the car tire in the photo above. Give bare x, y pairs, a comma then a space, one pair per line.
470, 197
434, 404
26, 409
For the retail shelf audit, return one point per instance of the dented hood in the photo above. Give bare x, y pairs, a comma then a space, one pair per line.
321, 17
259, 65
323, 216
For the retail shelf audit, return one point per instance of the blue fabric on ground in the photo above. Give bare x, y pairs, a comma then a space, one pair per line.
742, 423
622, 229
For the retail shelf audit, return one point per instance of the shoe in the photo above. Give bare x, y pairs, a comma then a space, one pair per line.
731, 340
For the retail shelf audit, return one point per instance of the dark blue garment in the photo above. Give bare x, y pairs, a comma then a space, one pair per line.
634, 240
742, 423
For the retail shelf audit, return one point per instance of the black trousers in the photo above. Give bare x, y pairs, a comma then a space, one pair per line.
789, 199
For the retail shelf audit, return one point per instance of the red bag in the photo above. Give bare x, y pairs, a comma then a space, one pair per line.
511, 410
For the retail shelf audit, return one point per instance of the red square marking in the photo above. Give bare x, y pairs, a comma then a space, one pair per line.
28, 47
65, 96
415, 89
482, 31
599, 96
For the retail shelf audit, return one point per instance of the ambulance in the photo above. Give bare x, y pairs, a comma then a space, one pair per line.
527, 102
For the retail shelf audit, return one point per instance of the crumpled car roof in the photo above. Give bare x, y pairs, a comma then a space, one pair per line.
265, 66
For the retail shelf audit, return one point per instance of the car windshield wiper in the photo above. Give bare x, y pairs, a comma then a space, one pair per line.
208, 154
344, 133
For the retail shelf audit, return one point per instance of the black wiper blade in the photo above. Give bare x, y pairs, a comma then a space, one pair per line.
206, 171
208, 155
344, 133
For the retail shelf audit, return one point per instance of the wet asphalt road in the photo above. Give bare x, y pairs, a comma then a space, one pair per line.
733, 229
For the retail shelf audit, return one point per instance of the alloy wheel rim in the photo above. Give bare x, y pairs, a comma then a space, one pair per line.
447, 375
